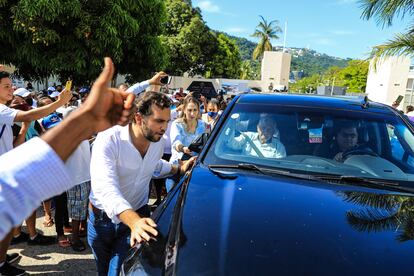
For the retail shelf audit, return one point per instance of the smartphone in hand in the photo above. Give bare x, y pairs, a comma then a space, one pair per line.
68, 85
399, 99
165, 80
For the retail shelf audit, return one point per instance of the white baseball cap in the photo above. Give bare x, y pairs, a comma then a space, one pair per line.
54, 94
22, 92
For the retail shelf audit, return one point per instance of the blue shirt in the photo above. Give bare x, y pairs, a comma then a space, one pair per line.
179, 135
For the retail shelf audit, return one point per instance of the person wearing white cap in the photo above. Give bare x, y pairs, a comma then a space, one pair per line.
22, 92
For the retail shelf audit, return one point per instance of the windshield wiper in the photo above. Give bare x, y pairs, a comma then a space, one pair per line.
367, 182
261, 170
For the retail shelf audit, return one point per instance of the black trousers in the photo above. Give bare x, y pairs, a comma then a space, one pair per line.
61, 213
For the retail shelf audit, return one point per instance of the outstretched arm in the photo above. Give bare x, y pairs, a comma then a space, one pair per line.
104, 108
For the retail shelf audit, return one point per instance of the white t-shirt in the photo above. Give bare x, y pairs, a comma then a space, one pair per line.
78, 164
7, 116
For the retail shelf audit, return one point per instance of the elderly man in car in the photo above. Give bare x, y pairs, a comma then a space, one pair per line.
262, 143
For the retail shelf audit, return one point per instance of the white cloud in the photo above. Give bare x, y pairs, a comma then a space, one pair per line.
235, 30
208, 6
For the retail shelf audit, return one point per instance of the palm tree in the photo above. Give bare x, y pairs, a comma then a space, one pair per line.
384, 11
382, 213
265, 32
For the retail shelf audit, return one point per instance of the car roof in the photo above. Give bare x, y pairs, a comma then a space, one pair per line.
314, 101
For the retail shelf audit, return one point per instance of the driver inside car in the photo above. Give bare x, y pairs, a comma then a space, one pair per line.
346, 141
262, 143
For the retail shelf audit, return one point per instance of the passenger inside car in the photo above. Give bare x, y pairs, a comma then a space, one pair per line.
262, 143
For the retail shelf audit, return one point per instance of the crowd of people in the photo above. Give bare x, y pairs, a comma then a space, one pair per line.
95, 154
106, 178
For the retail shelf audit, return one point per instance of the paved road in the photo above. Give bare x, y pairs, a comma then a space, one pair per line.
52, 259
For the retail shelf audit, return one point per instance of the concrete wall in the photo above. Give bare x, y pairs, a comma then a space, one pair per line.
388, 80
275, 69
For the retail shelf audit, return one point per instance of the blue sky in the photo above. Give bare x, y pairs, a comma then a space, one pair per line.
333, 27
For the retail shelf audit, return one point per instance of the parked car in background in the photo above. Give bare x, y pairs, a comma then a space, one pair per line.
291, 185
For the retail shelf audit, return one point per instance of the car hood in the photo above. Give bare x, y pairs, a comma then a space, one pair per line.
258, 224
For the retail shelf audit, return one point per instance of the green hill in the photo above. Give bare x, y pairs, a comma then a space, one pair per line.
310, 61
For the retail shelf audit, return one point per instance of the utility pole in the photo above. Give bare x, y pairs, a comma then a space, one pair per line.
284, 37
333, 84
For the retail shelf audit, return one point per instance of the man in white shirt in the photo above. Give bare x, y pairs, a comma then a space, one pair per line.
262, 143
124, 159
7, 117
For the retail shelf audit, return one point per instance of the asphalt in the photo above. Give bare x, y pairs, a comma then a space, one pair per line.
52, 259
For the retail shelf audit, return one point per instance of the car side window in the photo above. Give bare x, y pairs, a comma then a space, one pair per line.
397, 150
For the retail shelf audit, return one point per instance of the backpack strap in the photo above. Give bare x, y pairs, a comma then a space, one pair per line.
2, 130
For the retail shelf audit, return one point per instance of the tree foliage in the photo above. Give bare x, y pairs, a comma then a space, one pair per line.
70, 38
354, 77
385, 11
250, 70
191, 45
265, 31
226, 61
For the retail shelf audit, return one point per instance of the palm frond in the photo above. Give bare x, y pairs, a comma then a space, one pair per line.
378, 201
386, 10
263, 20
258, 33
372, 220
407, 230
401, 45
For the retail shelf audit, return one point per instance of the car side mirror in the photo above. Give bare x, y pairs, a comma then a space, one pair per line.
198, 143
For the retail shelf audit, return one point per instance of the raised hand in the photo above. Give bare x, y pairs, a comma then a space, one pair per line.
107, 106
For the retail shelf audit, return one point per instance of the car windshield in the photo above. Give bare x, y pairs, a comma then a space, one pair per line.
316, 141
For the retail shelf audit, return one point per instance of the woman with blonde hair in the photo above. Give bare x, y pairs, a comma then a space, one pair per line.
184, 129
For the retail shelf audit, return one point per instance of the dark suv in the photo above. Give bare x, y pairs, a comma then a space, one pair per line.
291, 185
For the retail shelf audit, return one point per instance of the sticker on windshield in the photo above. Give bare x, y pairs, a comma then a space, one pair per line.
315, 135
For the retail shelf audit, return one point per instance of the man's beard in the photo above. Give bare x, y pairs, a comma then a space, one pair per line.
149, 134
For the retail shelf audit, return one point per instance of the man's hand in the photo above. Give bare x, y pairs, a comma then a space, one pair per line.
187, 165
107, 106
186, 150
142, 229
338, 157
156, 80
64, 97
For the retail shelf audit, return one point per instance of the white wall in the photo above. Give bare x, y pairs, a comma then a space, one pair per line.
275, 69
388, 80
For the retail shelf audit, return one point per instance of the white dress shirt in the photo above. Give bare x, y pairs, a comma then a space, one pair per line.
138, 87
273, 149
120, 176
29, 174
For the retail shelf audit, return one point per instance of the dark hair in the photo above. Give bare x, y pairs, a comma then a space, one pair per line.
4, 74
410, 108
223, 105
41, 100
146, 100
342, 124
215, 102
